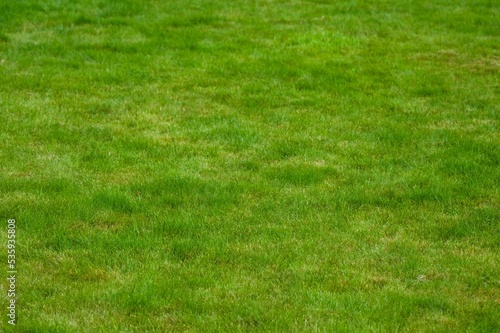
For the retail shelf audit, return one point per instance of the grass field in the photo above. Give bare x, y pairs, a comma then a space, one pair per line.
260, 166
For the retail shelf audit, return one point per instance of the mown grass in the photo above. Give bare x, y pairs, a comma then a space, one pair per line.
252, 166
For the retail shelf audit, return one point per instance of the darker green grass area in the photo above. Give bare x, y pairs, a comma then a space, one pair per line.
300, 176
214, 166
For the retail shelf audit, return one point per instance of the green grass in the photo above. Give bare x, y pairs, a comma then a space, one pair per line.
267, 166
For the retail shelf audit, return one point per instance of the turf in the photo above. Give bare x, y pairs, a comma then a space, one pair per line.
264, 166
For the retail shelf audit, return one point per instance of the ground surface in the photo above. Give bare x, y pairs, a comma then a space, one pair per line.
257, 166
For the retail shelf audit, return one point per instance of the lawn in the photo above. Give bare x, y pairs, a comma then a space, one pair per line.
251, 166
